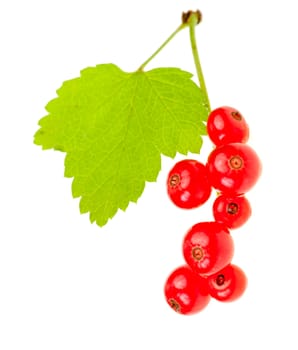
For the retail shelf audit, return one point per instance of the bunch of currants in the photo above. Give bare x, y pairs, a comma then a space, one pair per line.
232, 169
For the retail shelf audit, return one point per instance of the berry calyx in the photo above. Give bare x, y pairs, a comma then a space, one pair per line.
188, 185
228, 284
227, 125
208, 247
233, 211
233, 168
186, 292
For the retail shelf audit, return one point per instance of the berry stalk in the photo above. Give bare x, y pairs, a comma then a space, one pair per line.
193, 19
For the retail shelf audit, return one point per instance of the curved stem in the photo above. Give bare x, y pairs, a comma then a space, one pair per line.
142, 66
189, 19
193, 21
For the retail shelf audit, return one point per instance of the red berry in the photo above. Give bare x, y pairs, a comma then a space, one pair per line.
228, 284
227, 125
233, 211
186, 292
208, 247
188, 185
233, 168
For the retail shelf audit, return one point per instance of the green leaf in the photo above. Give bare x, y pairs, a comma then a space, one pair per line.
114, 126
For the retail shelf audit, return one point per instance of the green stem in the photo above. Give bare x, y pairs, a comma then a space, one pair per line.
189, 19
193, 21
183, 25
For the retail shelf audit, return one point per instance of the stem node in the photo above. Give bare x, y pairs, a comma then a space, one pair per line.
186, 16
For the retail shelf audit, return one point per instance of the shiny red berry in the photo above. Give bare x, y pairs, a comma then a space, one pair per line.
233, 211
188, 185
186, 292
208, 247
233, 168
227, 125
228, 284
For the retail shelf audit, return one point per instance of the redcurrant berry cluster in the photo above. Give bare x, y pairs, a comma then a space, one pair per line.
232, 169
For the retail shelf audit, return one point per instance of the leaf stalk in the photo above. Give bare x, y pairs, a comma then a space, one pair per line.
182, 26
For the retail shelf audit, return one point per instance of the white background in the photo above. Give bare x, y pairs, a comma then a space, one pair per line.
67, 284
